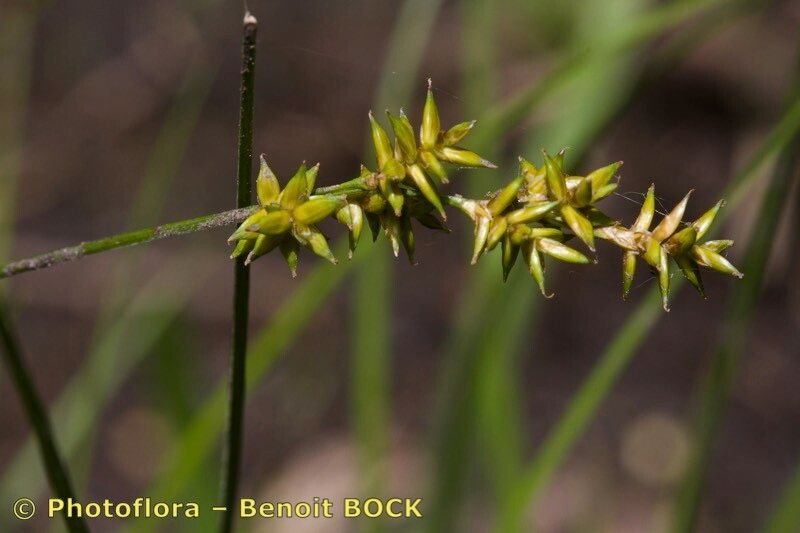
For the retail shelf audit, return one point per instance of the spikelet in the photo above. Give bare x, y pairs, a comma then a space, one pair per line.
536, 213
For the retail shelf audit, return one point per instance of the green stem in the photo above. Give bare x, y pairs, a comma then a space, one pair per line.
233, 450
37, 416
130, 238
352, 186
172, 229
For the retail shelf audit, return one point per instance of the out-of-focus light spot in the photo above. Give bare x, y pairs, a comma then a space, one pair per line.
137, 442
655, 449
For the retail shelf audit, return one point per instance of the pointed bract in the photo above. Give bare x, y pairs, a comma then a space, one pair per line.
719, 245
404, 134
311, 179
710, 259
535, 266
374, 223
670, 223
455, 134
531, 212
267, 186
245, 231
273, 223
663, 278
407, 238
647, 211
508, 255
579, 225
682, 241
263, 245
582, 196
505, 197
314, 239
628, 272
427, 188
467, 158
431, 222
317, 209
243, 247
429, 130
497, 231
691, 272
290, 251
434, 166
600, 177
296, 190
561, 252
394, 170
391, 228
604, 191
703, 224
556, 181
652, 253
481, 236
383, 148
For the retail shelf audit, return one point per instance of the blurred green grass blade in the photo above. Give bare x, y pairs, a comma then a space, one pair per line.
451, 441
785, 517
166, 156
499, 402
478, 56
37, 418
175, 373
79, 406
370, 389
624, 345
622, 38
197, 443
372, 297
517, 307
16, 39
581, 134
582, 407
500, 412
452, 438
174, 386
412, 30
172, 143
110, 342
718, 382
492, 366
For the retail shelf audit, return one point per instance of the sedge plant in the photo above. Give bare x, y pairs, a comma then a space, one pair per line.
543, 214
539, 214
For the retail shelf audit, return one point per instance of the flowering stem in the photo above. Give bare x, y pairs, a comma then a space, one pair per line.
352, 186
233, 450
171, 229
121, 240
37, 416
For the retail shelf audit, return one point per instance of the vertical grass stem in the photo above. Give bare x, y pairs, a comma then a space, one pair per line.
233, 450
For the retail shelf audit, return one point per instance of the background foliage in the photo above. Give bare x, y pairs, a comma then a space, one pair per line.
501, 409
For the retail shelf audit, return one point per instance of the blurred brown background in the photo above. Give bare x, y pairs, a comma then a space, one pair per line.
123, 90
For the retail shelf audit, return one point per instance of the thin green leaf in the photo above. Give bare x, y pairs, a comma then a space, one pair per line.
717, 383
622, 348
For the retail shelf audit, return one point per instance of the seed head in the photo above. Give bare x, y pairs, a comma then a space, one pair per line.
535, 213
288, 217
